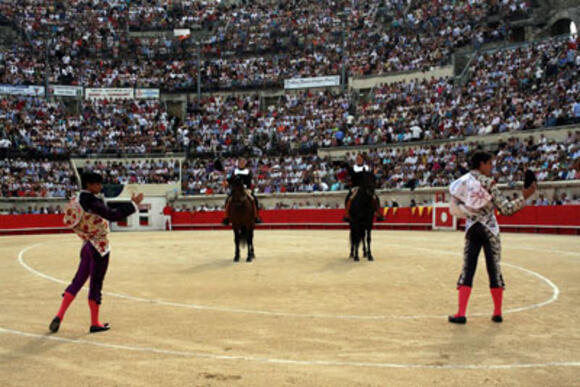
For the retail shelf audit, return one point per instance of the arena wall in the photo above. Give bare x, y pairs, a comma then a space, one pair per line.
335, 199
369, 82
543, 219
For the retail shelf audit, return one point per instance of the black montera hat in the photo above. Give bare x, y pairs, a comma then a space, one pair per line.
90, 177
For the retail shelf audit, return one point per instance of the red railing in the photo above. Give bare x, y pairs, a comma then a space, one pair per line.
541, 219
404, 218
32, 224
549, 219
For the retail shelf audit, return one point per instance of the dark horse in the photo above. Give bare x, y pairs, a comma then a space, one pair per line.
242, 217
361, 217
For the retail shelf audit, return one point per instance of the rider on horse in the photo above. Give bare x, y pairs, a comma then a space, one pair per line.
245, 175
356, 172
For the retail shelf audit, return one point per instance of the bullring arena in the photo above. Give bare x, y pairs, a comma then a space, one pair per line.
301, 314
161, 125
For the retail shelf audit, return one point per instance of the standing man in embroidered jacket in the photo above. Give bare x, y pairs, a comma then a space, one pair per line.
88, 216
474, 196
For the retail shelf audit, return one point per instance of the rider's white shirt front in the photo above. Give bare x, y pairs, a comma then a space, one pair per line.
361, 168
244, 171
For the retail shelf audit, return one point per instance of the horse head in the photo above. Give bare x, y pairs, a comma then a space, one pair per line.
236, 184
367, 184
239, 194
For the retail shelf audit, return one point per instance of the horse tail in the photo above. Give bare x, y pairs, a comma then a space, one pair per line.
244, 235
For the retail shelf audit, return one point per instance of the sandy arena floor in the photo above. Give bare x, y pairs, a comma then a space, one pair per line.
301, 314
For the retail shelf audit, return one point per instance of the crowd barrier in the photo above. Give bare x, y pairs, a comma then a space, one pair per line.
32, 224
541, 219
402, 218
545, 219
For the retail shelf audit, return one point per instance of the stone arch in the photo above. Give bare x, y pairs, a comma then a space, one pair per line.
560, 27
561, 16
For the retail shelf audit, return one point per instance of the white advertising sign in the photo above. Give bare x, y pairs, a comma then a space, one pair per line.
22, 90
109, 93
147, 93
303, 83
181, 32
66, 91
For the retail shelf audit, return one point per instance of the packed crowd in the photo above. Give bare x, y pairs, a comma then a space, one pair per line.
524, 88
271, 175
101, 127
511, 90
298, 122
149, 15
143, 171
427, 166
257, 44
438, 166
325, 31
558, 199
43, 179
68, 30
508, 90
512, 9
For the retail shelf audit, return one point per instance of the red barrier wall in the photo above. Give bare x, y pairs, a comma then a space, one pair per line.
541, 219
547, 219
405, 218
32, 224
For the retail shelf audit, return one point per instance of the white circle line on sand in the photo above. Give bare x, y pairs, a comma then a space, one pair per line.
267, 360
513, 246
544, 250
553, 298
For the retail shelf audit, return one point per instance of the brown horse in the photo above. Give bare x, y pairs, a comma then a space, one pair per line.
241, 214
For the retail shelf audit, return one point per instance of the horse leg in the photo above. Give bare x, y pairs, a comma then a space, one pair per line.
252, 243
351, 238
250, 246
369, 255
357, 238
237, 241
256, 209
364, 245
347, 204
356, 259
226, 219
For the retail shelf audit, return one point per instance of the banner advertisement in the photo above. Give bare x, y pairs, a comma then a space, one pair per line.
66, 91
147, 93
37, 91
303, 83
182, 33
109, 93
